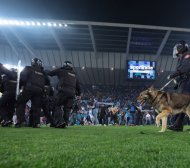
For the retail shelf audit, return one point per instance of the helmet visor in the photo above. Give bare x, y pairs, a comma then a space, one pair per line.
175, 52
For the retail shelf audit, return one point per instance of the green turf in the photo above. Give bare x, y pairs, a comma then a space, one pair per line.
90, 146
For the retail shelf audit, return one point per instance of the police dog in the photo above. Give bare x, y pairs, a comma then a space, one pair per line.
165, 103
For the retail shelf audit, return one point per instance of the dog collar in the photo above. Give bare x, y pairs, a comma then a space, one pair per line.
153, 102
156, 96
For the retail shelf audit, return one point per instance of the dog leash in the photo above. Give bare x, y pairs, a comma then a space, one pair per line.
166, 84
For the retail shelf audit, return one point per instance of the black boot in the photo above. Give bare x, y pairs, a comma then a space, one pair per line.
22, 124
52, 124
60, 124
7, 123
64, 127
175, 128
36, 126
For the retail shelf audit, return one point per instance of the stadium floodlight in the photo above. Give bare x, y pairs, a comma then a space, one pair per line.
33, 23
54, 24
1, 22
27, 23
44, 24
11, 22
38, 23
60, 25
17, 23
7, 66
5, 22
65, 25
22, 23
49, 24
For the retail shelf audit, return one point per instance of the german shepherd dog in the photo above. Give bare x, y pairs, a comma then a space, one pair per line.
165, 103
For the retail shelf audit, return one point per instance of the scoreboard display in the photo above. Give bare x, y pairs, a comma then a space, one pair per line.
141, 70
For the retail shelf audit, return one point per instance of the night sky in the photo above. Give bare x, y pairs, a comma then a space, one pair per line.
155, 12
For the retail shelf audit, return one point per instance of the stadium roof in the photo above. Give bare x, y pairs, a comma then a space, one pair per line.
96, 37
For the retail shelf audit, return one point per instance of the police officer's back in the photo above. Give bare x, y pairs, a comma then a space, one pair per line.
33, 79
8, 88
68, 86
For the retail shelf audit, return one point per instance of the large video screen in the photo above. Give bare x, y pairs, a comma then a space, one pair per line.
141, 70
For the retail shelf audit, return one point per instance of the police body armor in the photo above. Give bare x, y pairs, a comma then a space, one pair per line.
68, 80
36, 79
9, 85
185, 76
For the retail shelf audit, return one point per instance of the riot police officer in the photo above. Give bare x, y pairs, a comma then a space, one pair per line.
68, 86
9, 74
8, 99
33, 79
182, 75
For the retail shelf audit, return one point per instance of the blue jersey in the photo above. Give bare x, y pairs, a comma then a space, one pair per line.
85, 114
132, 108
128, 115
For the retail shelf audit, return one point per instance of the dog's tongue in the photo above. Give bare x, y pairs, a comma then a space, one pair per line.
142, 102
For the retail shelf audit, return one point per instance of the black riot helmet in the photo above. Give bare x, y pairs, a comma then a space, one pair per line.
180, 48
36, 61
67, 64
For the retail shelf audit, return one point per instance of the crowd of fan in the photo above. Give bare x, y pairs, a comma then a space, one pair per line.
82, 113
123, 100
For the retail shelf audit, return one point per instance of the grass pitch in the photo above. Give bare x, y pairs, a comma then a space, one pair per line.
90, 146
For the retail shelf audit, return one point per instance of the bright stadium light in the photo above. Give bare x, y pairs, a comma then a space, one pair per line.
12, 66
27, 23
17, 23
65, 25
38, 23
1, 22
7, 66
5, 22
49, 24
60, 25
22, 23
33, 23
44, 24
54, 24
11, 22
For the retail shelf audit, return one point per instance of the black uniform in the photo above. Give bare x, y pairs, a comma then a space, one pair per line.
68, 86
102, 115
139, 117
7, 72
74, 114
33, 79
45, 102
8, 99
48, 91
182, 75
